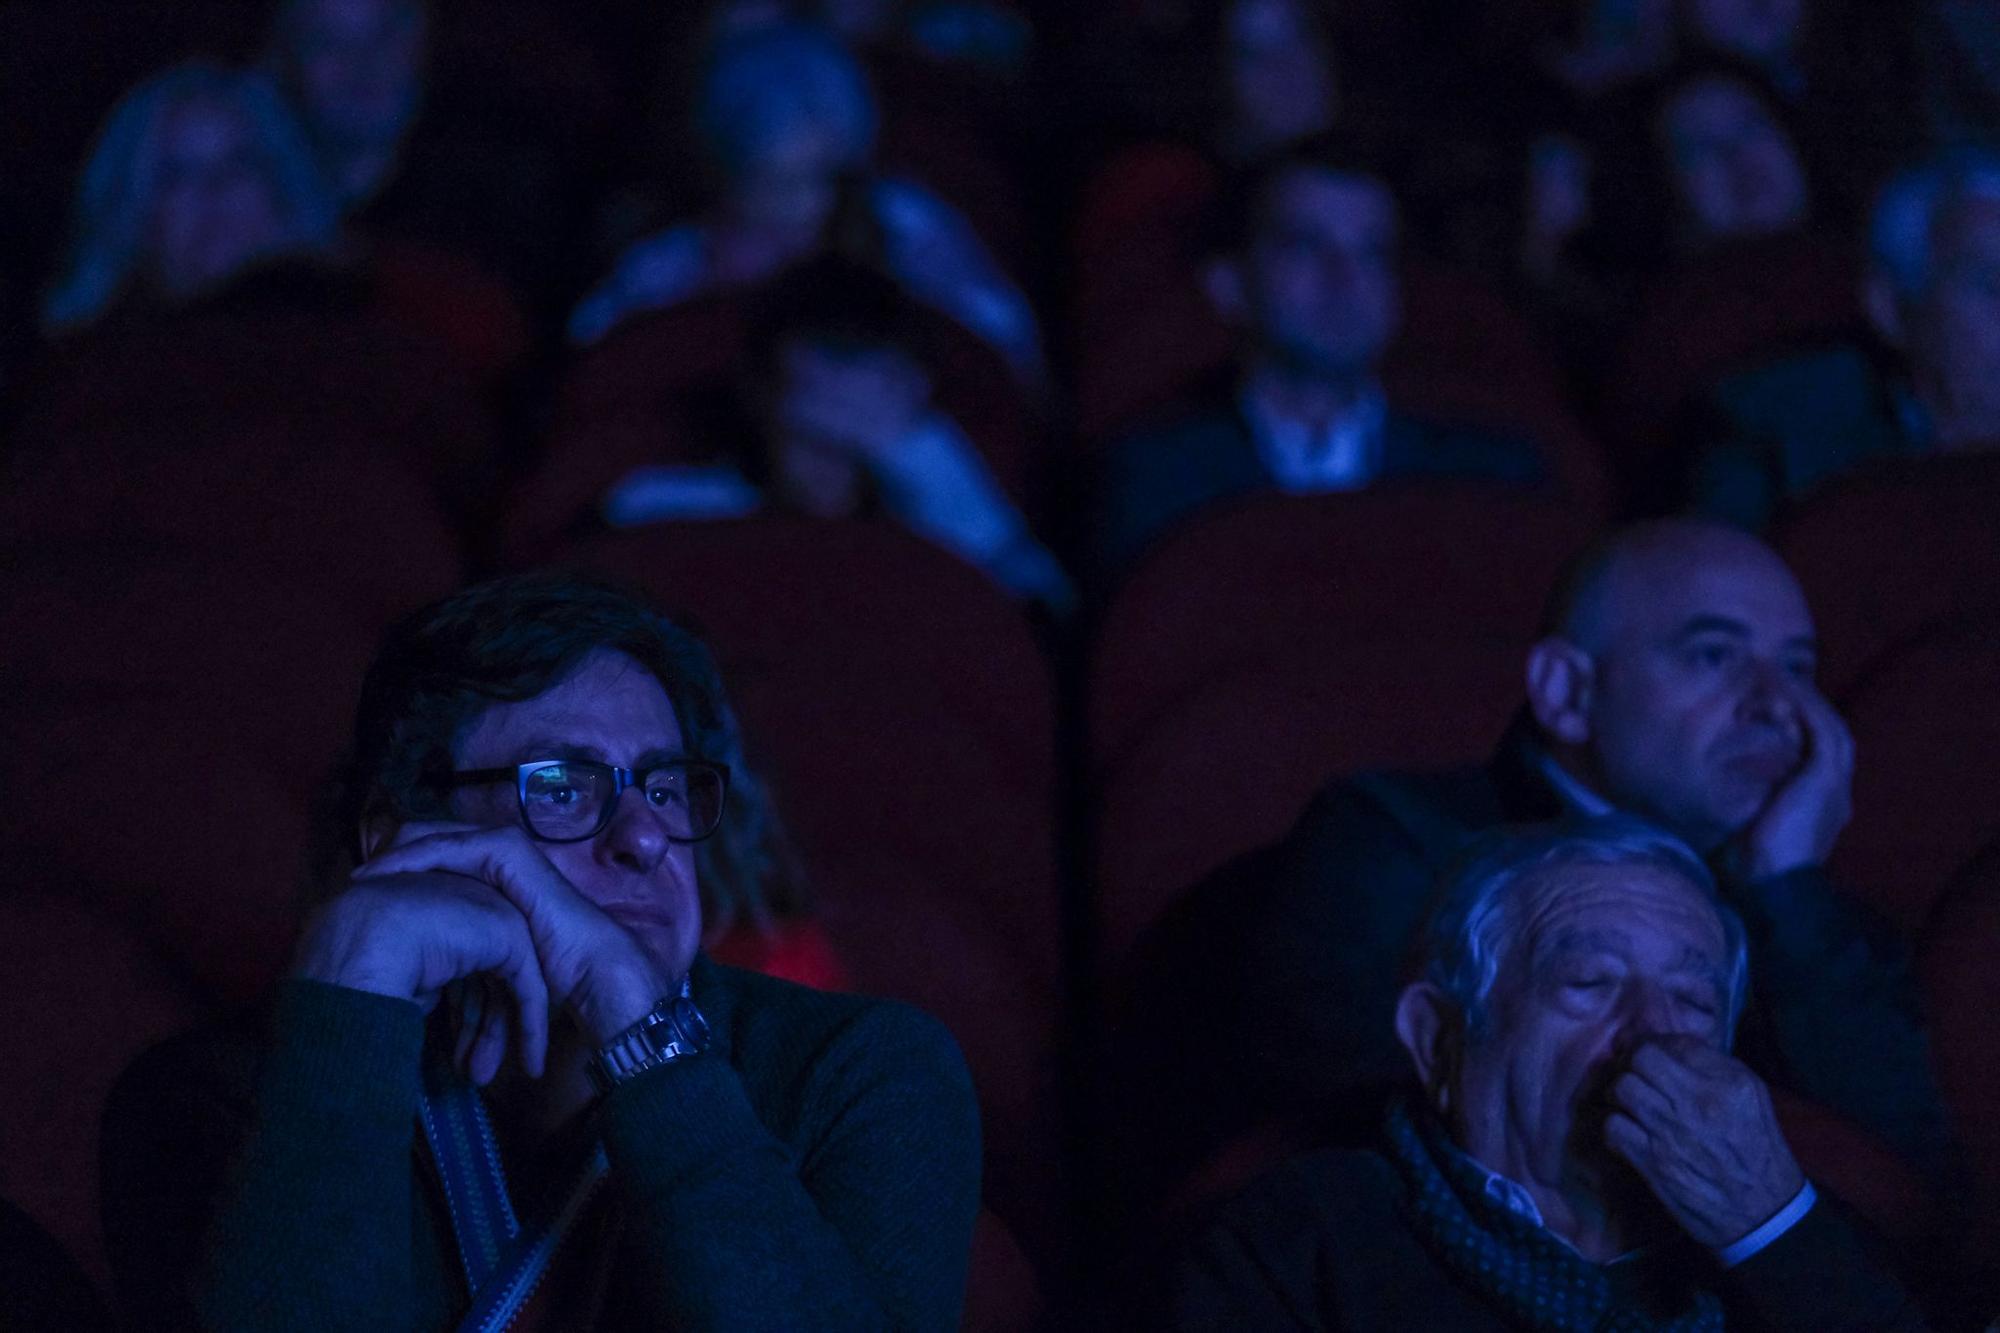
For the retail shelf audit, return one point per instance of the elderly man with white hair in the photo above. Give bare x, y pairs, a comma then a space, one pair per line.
1585, 1152
1930, 384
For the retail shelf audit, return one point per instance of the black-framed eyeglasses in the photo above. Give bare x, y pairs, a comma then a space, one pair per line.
568, 800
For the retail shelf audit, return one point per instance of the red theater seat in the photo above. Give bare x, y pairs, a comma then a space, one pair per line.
85, 994
1276, 574
1926, 724
1717, 316
286, 436
1961, 996
1235, 761
1893, 549
904, 715
441, 295
227, 690
1862, 1171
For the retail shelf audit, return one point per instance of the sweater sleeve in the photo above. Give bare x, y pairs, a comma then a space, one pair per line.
870, 1229
1820, 1276
314, 1228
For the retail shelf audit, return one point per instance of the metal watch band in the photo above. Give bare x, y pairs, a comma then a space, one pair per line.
671, 1030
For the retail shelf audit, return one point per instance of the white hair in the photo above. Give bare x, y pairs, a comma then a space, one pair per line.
1473, 924
769, 82
116, 192
1907, 211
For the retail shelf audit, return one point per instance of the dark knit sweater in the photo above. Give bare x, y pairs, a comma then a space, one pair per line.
1327, 1243
819, 1167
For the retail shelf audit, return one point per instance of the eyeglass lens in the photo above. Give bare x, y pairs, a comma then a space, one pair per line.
572, 800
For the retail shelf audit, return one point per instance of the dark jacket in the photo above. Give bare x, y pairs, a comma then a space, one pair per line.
1325, 1243
1205, 454
818, 1167
1770, 436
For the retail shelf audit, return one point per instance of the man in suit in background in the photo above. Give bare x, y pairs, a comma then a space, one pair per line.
1307, 272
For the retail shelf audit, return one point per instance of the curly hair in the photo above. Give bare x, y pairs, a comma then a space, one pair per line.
510, 639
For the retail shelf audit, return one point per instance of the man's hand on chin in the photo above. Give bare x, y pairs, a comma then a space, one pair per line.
595, 967
1807, 811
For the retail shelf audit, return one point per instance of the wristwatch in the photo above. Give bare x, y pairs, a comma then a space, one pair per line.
673, 1030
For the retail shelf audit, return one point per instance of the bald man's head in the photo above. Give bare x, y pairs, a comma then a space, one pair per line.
1668, 674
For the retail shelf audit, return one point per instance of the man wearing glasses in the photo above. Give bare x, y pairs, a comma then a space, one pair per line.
608, 1129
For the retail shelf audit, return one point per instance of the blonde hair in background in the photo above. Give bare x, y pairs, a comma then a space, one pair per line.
116, 192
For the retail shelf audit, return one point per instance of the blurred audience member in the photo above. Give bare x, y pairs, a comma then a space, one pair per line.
355, 69
1273, 82
198, 174
1585, 1152
1932, 385
841, 422
497, 170
1308, 275
1764, 33
1613, 43
1843, 69
1958, 53
787, 123
1734, 170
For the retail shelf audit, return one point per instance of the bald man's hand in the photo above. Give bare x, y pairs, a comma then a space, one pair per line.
1800, 823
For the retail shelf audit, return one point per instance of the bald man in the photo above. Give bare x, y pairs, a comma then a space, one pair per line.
1673, 679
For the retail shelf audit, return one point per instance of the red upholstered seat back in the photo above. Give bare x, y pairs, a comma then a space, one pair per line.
1719, 315
1961, 988
222, 693
1926, 723
1893, 548
903, 713
286, 436
1231, 766
85, 994
1276, 575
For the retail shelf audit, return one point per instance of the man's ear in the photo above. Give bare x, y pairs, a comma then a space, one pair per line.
1885, 308
1562, 681
1428, 1026
1222, 283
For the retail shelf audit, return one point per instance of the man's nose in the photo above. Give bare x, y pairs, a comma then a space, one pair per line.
1650, 1011
635, 837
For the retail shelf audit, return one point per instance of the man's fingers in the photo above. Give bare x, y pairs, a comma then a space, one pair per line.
501, 857
531, 1014
489, 1049
415, 829
469, 1007
1641, 1100
1626, 1138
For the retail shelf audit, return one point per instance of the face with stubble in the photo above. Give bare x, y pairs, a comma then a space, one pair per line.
1699, 657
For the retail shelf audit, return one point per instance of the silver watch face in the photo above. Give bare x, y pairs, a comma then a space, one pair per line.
690, 1027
